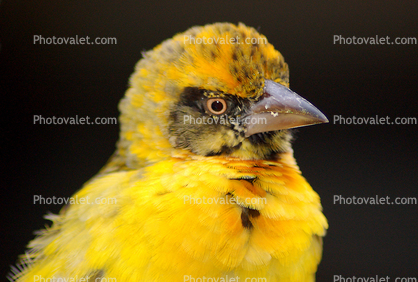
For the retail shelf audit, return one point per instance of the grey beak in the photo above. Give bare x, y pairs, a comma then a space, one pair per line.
281, 108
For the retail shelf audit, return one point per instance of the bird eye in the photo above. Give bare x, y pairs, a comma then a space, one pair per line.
216, 106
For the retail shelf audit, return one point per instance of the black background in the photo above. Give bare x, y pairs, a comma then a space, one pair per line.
347, 80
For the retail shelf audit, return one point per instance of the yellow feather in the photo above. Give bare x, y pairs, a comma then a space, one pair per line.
157, 213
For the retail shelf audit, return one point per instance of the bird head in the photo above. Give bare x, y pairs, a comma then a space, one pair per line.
216, 90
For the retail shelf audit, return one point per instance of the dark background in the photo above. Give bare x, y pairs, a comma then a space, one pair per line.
347, 80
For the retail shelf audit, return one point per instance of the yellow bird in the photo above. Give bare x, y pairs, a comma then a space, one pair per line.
203, 185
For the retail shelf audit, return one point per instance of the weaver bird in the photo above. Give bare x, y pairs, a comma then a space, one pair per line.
203, 184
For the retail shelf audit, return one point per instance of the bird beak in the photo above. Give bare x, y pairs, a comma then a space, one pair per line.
281, 108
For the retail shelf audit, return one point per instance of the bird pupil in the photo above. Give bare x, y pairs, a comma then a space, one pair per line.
217, 106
